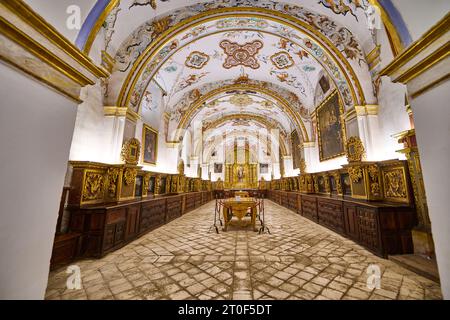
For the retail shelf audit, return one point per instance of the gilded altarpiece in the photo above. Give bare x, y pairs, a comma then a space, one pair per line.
241, 174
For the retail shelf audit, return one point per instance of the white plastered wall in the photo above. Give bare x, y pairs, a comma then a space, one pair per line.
36, 126
431, 118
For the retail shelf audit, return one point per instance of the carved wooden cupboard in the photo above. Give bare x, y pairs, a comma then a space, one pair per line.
383, 228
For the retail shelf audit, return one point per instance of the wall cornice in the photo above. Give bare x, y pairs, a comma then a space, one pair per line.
30, 44
424, 63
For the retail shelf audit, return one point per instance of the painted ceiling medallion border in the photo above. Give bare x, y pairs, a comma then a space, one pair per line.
196, 60
241, 54
282, 60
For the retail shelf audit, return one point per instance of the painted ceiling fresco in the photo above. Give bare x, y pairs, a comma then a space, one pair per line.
210, 35
133, 15
287, 48
300, 77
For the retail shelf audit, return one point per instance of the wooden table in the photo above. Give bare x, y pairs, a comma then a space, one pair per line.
239, 207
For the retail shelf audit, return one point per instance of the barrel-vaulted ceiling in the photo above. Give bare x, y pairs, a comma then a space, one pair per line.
222, 58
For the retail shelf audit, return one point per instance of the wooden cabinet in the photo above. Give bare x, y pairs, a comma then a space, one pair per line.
190, 202
65, 249
383, 228
133, 219
284, 199
309, 207
153, 214
330, 214
293, 202
351, 221
174, 207
104, 228
369, 235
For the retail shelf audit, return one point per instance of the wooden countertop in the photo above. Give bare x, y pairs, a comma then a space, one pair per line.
347, 199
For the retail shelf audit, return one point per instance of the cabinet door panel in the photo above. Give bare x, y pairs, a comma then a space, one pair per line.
132, 222
351, 222
368, 228
108, 240
120, 233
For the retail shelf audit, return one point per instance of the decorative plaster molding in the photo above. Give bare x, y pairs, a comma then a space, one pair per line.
32, 45
425, 63
114, 111
371, 110
310, 144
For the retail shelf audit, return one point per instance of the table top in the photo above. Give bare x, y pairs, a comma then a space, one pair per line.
242, 200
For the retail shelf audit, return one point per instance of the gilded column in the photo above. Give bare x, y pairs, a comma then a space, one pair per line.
422, 237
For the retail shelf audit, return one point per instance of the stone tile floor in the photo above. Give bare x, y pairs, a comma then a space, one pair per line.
298, 260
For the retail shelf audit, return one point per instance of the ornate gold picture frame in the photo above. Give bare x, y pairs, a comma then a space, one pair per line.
330, 128
149, 145
131, 151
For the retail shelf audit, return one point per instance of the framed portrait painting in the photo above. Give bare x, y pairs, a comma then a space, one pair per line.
330, 128
150, 144
218, 167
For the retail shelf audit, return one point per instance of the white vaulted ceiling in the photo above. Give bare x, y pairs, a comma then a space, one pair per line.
174, 57
299, 75
130, 14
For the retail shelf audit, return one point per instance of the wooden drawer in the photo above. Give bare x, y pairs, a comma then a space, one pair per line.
174, 208
153, 215
190, 202
369, 233
293, 202
309, 207
330, 214
351, 222
64, 249
114, 216
132, 230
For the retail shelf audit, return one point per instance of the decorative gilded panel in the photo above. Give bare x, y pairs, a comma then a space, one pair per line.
395, 184
93, 186
112, 184
130, 176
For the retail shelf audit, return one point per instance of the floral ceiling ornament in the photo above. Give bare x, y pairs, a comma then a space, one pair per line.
197, 60
282, 60
241, 100
241, 55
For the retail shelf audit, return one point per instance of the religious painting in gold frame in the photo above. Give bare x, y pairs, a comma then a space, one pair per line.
150, 145
330, 128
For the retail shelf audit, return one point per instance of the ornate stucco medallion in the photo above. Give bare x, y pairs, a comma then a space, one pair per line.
197, 60
241, 55
282, 60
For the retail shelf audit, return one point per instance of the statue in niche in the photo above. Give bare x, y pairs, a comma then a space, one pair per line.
240, 174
